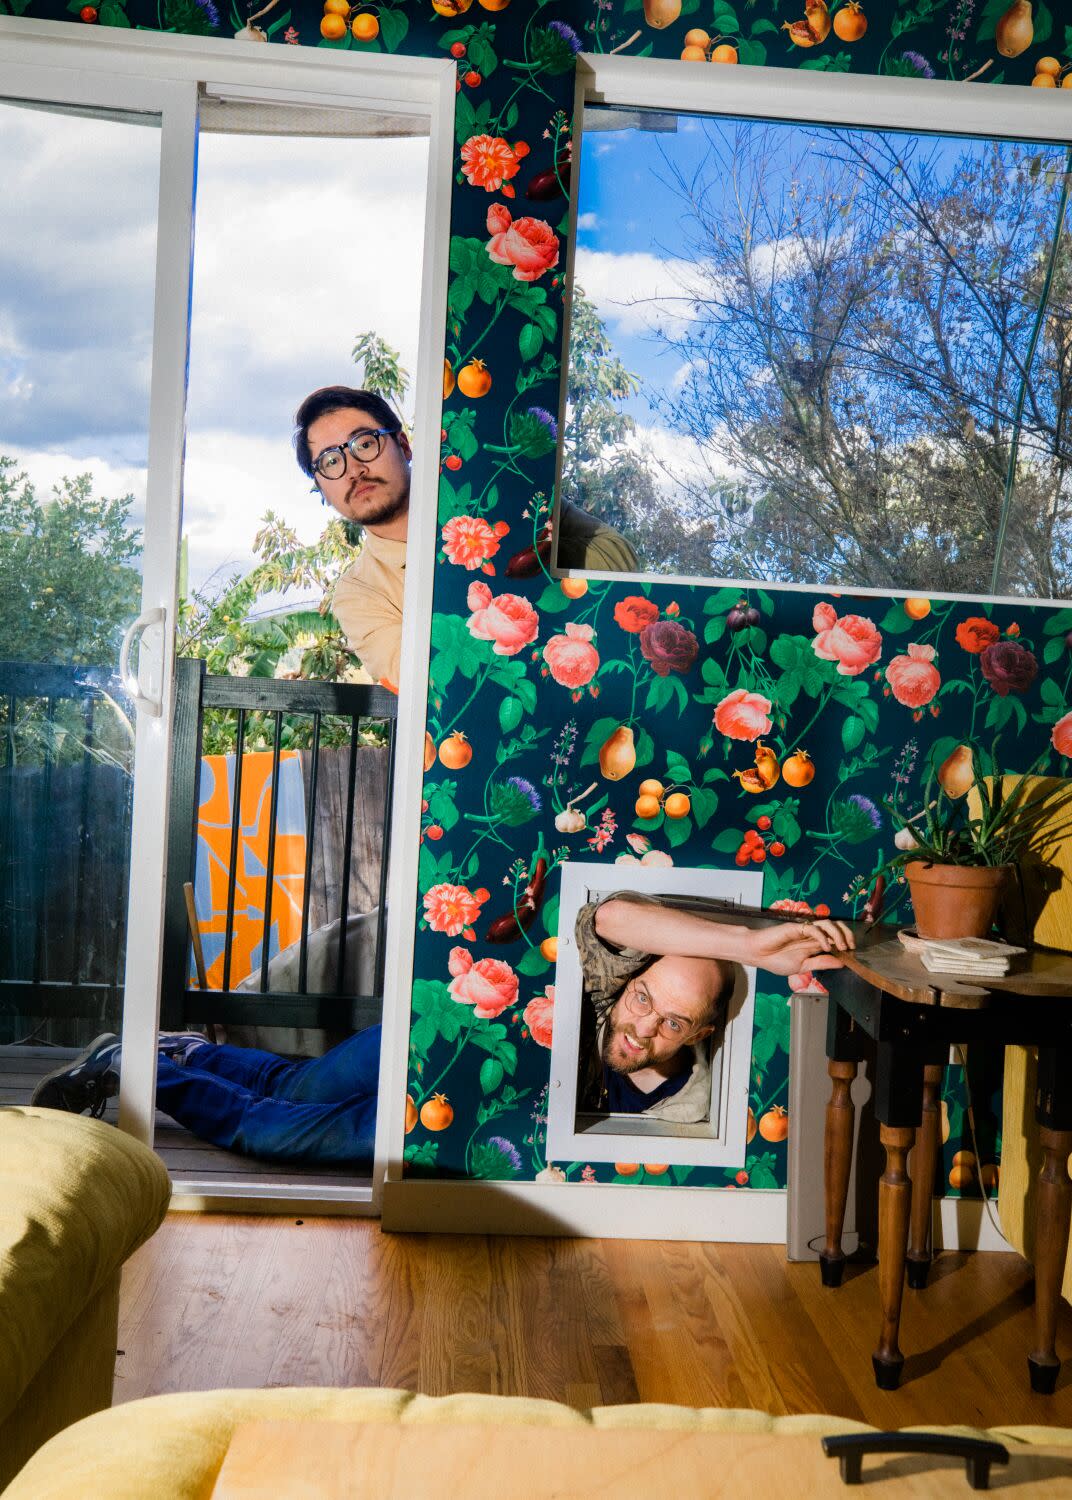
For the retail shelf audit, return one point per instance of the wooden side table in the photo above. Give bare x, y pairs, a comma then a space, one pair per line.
913, 1016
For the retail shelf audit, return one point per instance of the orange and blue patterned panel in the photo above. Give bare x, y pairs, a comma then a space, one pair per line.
214, 816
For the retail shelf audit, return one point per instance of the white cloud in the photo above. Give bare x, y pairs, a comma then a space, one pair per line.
588, 221
636, 292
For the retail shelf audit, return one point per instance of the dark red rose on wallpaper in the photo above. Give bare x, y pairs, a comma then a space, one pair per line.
669, 647
634, 612
975, 634
1008, 668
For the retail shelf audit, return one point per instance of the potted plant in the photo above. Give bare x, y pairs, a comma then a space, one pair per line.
962, 849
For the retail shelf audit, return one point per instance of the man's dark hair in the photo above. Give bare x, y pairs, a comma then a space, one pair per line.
334, 398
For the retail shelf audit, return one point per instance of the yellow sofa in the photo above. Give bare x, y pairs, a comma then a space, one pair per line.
172, 1447
77, 1197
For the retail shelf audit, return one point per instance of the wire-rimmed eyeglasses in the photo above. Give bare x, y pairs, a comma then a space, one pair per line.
639, 1003
365, 446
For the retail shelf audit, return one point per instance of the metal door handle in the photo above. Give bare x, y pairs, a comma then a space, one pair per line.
131, 680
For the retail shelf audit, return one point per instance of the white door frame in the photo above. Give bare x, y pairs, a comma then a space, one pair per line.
157, 71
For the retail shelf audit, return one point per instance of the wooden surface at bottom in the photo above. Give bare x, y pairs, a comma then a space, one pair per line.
337, 1461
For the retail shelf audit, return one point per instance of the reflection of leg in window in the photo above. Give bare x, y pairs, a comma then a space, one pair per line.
322, 1109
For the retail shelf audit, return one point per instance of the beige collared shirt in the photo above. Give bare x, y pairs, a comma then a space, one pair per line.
368, 605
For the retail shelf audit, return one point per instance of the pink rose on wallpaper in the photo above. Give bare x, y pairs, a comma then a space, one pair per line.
913, 679
469, 542
743, 716
529, 245
850, 640
489, 985
540, 1016
508, 620
488, 161
634, 613
450, 908
572, 658
1061, 738
786, 905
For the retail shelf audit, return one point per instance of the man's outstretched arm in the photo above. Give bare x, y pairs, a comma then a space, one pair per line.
784, 948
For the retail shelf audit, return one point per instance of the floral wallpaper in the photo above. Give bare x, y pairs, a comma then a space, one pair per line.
766, 728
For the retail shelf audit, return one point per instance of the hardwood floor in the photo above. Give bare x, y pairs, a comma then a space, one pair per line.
216, 1300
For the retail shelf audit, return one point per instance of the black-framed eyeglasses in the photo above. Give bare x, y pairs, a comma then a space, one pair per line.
639, 1003
365, 447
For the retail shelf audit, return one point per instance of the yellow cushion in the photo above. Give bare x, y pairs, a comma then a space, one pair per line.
172, 1447
77, 1197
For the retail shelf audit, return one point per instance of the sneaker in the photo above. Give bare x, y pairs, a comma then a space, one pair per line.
86, 1083
176, 1046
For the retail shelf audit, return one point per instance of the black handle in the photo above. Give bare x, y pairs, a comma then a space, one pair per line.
849, 1449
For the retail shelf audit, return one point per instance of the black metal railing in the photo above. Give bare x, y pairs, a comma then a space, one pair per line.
66, 760
352, 715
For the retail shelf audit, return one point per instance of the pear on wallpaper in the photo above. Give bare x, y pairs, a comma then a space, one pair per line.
660, 13
1015, 31
618, 754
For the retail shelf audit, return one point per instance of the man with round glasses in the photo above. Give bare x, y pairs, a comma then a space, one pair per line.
657, 978
351, 444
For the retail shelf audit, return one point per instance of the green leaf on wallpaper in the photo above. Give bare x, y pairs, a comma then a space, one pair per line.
751, 54
645, 748
511, 712
725, 18
770, 1028
532, 963
784, 823
715, 773
758, 28
509, 117
1060, 622
1051, 693
852, 732
593, 740
714, 630
549, 917
712, 673
1053, 650
851, 823
441, 806
423, 1155
842, 63
481, 53
511, 676
492, 1039
394, 24
437, 1015
112, 14
453, 650
529, 341
1001, 710
661, 695
722, 601
678, 831
726, 842
704, 805
552, 601
469, 121
895, 621
530, 436
761, 1177
677, 767
491, 1074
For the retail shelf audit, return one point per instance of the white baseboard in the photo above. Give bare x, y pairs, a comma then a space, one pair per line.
588, 1210
285, 1199
963, 1224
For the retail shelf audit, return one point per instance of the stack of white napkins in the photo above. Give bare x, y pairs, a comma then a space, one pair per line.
972, 957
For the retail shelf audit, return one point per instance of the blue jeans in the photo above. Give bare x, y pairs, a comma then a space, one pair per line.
320, 1110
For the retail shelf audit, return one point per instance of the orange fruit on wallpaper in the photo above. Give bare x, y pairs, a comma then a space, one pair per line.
961, 1177
429, 752
436, 1113
336, 7
365, 27
774, 1125
751, 1128
627, 1168
494, 4
693, 54
411, 1113
650, 788
1043, 81
654, 1170
647, 807
677, 805
799, 769
573, 588
850, 23
474, 380
448, 379
455, 752
724, 54
697, 37
917, 608
1049, 65
549, 948
333, 27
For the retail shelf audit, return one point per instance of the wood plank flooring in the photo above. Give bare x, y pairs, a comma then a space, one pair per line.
242, 1301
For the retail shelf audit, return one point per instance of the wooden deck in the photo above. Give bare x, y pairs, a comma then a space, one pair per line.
187, 1158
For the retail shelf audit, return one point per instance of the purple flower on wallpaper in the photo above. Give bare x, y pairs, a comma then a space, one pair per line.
918, 63
527, 790
868, 808
1008, 667
212, 15
668, 646
567, 33
544, 417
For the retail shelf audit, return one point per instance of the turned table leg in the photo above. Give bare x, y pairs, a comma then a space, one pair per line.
837, 1165
921, 1171
894, 1207
1051, 1247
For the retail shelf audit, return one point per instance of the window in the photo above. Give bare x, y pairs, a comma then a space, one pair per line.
840, 350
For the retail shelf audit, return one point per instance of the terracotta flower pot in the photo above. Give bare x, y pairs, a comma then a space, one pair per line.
955, 901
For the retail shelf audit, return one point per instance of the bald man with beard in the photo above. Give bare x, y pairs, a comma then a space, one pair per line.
657, 978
